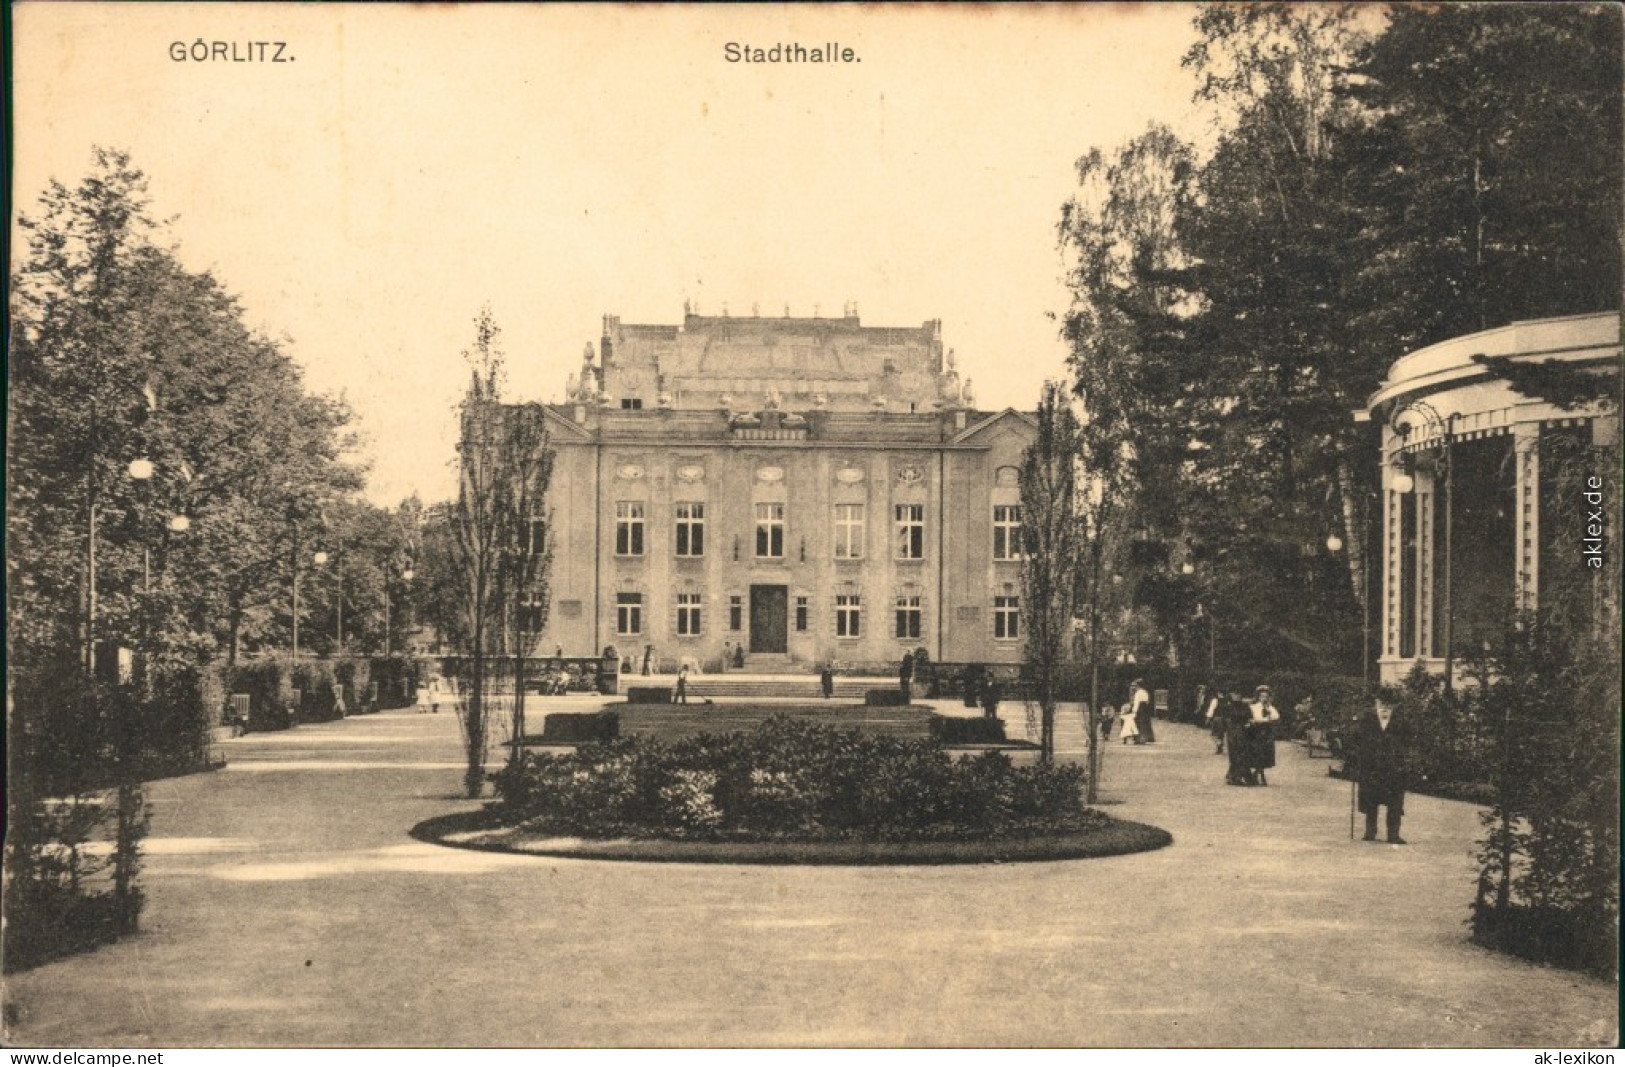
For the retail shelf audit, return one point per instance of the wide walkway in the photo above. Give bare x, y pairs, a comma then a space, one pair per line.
288, 907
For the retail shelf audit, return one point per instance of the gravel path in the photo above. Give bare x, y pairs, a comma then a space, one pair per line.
288, 907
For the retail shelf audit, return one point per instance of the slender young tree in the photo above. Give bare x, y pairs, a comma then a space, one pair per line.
505, 467
477, 528
1050, 556
528, 468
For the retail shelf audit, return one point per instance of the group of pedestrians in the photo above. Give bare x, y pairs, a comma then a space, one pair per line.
1243, 730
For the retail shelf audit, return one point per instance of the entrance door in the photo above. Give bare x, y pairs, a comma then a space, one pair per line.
769, 618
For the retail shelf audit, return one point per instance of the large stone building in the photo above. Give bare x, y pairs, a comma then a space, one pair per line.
813, 489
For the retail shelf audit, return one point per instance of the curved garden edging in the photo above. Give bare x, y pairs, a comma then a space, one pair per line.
473, 830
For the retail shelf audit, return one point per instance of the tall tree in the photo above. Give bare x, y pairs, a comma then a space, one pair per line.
1125, 329
142, 421
120, 354
1489, 173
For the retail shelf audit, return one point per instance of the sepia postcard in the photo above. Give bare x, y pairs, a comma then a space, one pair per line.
792, 526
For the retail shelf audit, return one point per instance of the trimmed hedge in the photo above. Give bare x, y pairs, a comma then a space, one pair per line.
884, 698
788, 780
270, 696
649, 694
956, 730
576, 728
397, 680
315, 680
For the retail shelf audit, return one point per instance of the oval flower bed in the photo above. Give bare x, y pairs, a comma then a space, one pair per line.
790, 792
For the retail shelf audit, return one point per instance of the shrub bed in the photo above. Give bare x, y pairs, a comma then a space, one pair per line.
788, 780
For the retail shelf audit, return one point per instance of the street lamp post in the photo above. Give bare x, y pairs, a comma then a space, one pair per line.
1188, 568
406, 575
296, 599
140, 470
1334, 545
319, 558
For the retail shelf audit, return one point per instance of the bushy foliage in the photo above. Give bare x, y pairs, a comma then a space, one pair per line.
69, 739
791, 780
1549, 859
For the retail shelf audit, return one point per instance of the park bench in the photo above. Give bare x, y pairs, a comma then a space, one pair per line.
1320, 742
237, 716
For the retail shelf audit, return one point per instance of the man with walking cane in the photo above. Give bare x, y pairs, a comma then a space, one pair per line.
1380, 771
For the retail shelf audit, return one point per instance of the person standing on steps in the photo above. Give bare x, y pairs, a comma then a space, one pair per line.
682, 685
826, 682
1381, 751
905, 678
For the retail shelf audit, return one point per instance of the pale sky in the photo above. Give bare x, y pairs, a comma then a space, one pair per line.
414, 162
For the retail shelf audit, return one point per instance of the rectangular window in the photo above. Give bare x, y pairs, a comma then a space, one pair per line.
690, 529
629, 528
688, 614
631, 403
530, 616
628, 614
1007, 531
910, 531
769, 531
848, 531
908, 616
801, 614
532, 536
848, 615
1006, 617
736, 613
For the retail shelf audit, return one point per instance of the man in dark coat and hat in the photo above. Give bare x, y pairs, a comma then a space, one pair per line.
1380, 747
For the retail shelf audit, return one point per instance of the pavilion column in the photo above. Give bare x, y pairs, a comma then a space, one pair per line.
1526, 558
1423, 604
1393, 563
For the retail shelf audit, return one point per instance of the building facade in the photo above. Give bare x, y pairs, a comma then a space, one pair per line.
1484, 512
811, 490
